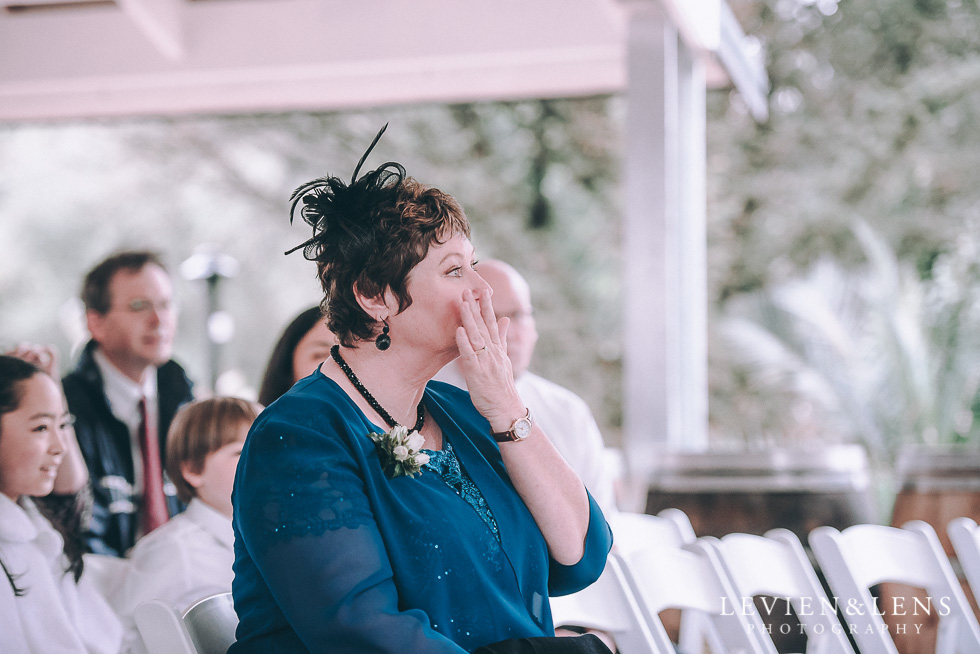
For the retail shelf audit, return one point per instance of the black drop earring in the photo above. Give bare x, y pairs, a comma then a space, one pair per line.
383, 341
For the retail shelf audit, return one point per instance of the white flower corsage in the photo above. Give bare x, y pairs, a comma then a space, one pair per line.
400, 451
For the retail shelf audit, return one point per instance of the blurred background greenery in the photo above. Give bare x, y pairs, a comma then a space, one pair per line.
843, 233
538, 180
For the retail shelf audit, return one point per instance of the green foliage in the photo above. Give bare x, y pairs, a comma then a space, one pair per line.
875, 114
874, 354
536, 178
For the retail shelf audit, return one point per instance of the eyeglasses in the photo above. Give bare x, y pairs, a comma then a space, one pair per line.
144, 305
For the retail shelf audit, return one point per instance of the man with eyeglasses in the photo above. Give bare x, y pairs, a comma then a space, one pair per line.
566, 417
124, 393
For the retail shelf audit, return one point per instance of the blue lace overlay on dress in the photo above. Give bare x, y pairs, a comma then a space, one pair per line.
306, 500
445, 464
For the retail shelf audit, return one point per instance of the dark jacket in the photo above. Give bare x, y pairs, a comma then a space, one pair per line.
106, 446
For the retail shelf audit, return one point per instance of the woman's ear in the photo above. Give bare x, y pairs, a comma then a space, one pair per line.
376, 307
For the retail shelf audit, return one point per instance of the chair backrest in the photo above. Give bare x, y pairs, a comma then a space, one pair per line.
776, 566
162, 629
608, 605
685, 578
964, 534
211, 623
669, 528
207, 627
684, 526
865, 555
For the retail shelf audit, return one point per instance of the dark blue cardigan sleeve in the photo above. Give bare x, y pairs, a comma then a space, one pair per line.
567, 579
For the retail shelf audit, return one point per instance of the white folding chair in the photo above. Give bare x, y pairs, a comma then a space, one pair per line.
964, 534
211, 623
162, 629
608, 605
685, 578
670, 527
776, 566
862, 556
207, 627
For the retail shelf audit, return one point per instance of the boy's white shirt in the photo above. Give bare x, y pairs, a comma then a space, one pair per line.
180, 562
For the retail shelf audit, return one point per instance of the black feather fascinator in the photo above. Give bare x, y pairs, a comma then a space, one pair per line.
341, 214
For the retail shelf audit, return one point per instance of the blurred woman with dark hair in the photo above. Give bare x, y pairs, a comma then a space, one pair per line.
303, 345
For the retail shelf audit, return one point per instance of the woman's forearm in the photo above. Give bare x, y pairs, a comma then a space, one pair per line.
552, 492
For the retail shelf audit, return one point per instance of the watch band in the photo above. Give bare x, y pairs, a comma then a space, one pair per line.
518, 431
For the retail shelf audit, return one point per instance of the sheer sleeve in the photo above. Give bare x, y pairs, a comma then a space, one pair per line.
567, 579
311, 565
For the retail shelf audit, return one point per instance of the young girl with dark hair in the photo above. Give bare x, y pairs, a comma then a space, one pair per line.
46, 604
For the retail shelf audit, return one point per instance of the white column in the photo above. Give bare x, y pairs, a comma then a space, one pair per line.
693, 256
648, 231
665, 362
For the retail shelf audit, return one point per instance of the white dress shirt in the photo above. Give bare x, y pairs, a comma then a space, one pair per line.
569, 424
54, 615
180, 562
123, 396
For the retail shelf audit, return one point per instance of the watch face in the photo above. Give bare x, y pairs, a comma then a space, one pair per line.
522, 428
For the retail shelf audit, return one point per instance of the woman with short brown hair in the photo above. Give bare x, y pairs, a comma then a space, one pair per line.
376, 511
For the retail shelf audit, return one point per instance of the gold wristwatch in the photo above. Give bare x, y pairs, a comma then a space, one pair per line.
517, 432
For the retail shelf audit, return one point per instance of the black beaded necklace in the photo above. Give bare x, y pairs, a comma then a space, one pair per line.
335, 353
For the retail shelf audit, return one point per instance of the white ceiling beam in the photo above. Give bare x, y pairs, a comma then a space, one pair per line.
709, 27
161, 21
276, 55
318, 87
41, 3
137, 57
698, 21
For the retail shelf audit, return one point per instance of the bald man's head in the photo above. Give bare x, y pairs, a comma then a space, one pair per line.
512, 298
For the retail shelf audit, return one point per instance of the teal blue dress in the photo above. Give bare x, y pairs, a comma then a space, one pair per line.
333, 556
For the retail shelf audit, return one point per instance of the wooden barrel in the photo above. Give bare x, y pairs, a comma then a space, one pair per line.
934, 484
937, 484
753, 492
